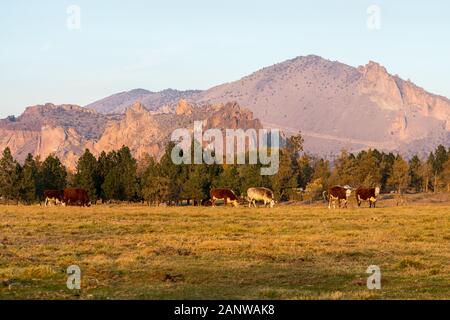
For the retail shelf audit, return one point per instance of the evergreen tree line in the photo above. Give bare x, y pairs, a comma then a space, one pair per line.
117, 176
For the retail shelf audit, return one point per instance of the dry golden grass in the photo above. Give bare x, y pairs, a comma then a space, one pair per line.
289, 252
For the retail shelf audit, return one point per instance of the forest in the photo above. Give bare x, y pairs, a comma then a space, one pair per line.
118, 176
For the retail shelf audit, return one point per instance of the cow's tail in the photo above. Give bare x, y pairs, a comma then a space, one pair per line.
325, 196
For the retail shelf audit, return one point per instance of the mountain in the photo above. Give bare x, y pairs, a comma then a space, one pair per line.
67, 130
337, 106
334, 105
119, 102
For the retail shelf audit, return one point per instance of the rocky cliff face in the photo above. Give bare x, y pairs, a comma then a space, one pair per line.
66, 131
48, 129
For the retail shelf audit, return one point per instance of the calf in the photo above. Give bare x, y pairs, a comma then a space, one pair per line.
260, 194
339, 194
364, 194
225, 195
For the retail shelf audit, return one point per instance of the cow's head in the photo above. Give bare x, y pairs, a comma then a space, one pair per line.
377, 191
235, 203
272, 203
348, 193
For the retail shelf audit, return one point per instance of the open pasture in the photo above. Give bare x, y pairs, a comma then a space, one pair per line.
288, 252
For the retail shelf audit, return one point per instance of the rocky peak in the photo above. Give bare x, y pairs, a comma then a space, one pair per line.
373, 70
137, 107
232, 116
184, 108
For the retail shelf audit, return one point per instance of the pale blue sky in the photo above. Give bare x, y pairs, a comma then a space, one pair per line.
196, 44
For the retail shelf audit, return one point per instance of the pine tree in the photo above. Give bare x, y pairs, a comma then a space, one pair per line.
155, 187
229, 178
128, 173
10, 172
437, 161
400, 178
250, 176
415, 165
104, 166
386, 168
344, 170
53, 174
322, 171
29, 180
196, 186
440, 158
306, 171
118, 171
172, 172
87, 176
367, 169
445, 175
286, 179
425, 173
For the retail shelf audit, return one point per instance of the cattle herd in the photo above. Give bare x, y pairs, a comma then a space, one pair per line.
67, 197
340, 195
335, 195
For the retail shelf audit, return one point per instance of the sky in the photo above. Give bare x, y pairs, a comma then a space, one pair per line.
80, 51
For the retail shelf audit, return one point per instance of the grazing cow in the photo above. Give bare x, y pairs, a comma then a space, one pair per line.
363, 194
260, 194
76, 197
225, 195
53, 197
339, 194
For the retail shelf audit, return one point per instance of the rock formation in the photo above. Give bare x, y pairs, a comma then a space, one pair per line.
66, 131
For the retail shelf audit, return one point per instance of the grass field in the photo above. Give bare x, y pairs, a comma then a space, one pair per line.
289, 252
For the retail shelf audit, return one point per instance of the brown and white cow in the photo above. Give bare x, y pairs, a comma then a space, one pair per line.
339, 194
76, 197
225, 195
260, 194
364, 194
53, 197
